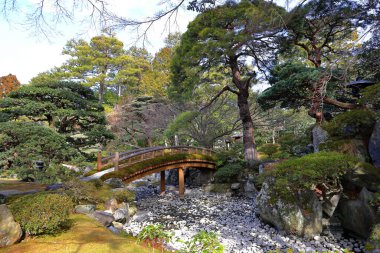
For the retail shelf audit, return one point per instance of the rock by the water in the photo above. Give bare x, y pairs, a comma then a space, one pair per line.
319, 136
10, 231
103, 218
374, 145
357, 215
115, 182
293, 217
85, 209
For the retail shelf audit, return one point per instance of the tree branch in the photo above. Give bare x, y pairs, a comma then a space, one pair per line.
226, 88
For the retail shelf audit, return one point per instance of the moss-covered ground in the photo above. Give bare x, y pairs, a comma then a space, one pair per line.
85, 235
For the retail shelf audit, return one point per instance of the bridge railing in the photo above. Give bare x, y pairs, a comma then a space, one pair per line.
132, 157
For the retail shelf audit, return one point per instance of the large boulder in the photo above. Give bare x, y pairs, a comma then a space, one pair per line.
319, 136
121, 215
301, 216
363, 175
85, 209
103, 218
374, 145
10, 231
198, 177
357, 215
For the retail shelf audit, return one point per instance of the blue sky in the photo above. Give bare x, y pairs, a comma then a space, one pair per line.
25, 54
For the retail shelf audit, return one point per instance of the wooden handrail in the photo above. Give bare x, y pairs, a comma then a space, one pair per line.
136, 156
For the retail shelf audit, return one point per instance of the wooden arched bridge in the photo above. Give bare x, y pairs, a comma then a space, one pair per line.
136, 164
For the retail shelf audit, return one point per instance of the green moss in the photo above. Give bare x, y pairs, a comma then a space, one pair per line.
228, 173
354, 147
125, 171
220, 188
305, 173
371, 95
351, 123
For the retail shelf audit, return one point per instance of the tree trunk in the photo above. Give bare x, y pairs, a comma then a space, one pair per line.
250, 152
101, 93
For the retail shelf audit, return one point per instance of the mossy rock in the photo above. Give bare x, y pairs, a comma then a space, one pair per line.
353, 147
363, 175
358, 122
373, 244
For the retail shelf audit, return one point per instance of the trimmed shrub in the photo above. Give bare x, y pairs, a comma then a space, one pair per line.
371, 95
124, 196
307, 172
269, 149
351, 123
42, 213
228, 173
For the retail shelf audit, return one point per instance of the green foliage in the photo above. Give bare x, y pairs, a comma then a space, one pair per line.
358, 122
371, 96
307, 172
205, 242
290, 86
42, 213
69, 108
23, 143
228, 173
269, 149
154, 235
125, 171
124, 196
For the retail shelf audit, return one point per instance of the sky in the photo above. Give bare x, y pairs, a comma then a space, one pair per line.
25, 53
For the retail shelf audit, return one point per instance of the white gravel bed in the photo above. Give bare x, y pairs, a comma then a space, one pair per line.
233, 218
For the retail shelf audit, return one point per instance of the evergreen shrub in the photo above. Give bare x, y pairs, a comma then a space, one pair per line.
42, 213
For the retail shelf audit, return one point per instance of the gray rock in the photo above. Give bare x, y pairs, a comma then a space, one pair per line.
374, 145
10, 231
117, 225
330, 203
172, 177
121, 215
319, 136
103, 218
235, 186
53, 187
111, 205
357, 216
198, 177
85, 209
291, 216
115, 182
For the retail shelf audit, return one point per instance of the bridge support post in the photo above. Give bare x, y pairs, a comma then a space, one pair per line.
181, 183
162, 187
116, 161
99, 161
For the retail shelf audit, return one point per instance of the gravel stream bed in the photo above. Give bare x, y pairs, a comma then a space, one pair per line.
233, 218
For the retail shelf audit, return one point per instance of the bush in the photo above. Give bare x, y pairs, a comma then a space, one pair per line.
203, 241
228, 173
42, 213
154, 235
371, 95
358, 122
124, 196
307, 172
269, 149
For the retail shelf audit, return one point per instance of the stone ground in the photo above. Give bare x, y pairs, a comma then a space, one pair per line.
233, 218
